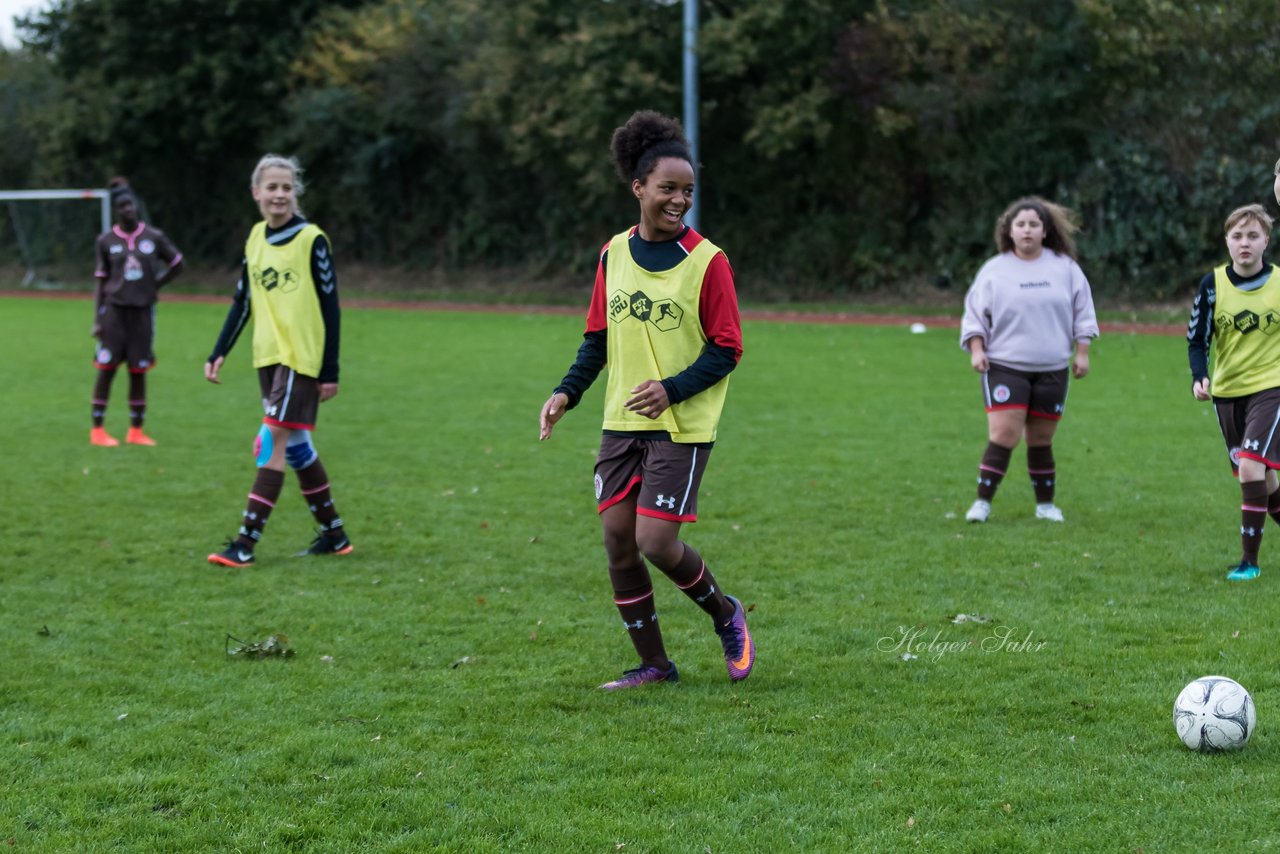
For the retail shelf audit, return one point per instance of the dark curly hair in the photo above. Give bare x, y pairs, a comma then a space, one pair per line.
646, 138
119, 186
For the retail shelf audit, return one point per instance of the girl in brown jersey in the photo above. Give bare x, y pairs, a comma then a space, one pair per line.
134, 261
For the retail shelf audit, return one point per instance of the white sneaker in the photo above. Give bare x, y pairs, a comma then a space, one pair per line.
1050, 512
980, 511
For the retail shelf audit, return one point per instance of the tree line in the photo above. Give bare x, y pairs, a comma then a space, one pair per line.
846, 145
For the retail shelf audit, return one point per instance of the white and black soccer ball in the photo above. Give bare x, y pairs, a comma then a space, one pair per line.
1214, 713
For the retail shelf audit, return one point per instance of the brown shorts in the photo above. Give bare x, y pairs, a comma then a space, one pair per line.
668, 473
1249, 427
127, 334
1042, 393
289, 399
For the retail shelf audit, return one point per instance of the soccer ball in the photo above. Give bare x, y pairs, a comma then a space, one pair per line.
1214, 713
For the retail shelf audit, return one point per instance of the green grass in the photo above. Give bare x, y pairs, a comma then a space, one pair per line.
443, 692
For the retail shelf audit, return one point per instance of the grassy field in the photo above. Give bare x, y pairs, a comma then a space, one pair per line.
443, 692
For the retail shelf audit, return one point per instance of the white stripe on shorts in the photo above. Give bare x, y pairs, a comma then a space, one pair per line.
688, 487
288, 393
1266, 448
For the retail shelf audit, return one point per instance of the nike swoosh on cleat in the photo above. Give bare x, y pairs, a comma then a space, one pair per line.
745, 658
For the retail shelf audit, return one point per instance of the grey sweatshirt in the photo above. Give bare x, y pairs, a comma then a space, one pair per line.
1029, 313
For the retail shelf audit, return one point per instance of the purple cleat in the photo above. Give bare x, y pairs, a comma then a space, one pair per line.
739, 648
643, 676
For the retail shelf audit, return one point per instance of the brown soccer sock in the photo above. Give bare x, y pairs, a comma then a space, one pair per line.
137, 398
314, 482
995, 462
696, 581
1043, 472
633, 594
101, 394
1273, 506
262, 499
1253, 518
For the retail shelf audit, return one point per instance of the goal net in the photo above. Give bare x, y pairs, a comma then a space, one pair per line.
46, 236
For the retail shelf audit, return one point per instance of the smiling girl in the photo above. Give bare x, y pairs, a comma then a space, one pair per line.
664, 317
1029, 308
288, 284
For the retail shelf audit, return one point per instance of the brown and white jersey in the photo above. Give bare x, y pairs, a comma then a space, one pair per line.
131, 263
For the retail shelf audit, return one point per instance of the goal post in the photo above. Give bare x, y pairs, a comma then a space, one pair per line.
11, 196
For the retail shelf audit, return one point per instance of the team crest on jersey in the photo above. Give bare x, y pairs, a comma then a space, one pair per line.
146, 247
1001, 393
664, 314
599, 487
269, 278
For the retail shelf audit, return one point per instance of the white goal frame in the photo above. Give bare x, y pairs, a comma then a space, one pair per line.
104, 201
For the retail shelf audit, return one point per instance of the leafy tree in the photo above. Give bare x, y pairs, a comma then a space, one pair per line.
178, 95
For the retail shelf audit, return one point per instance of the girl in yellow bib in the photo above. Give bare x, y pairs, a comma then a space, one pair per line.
289, 286
1236, 314
664, 317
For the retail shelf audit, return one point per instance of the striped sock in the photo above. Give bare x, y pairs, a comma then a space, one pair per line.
101, 394
1273, 506
314, 482
1043, 471
696, 581
137, 398
633, 595
995, 462
262, 500
1253, 519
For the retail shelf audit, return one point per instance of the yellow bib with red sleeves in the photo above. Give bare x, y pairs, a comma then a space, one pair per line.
654, 333
288, 328
1246, 336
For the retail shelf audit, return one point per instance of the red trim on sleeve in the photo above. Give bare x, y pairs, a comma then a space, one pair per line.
597, 320
718, 305
690, 239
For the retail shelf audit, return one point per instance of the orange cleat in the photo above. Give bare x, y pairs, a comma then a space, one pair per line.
99, 436
135, 436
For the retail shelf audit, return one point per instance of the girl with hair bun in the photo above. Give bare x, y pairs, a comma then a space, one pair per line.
664, 317
134, 261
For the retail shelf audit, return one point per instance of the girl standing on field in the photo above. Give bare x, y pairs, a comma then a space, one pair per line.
1028, 308
135, 260
1234, 316
664, 317
289, 285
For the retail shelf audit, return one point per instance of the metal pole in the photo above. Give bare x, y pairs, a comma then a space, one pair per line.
691, 95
